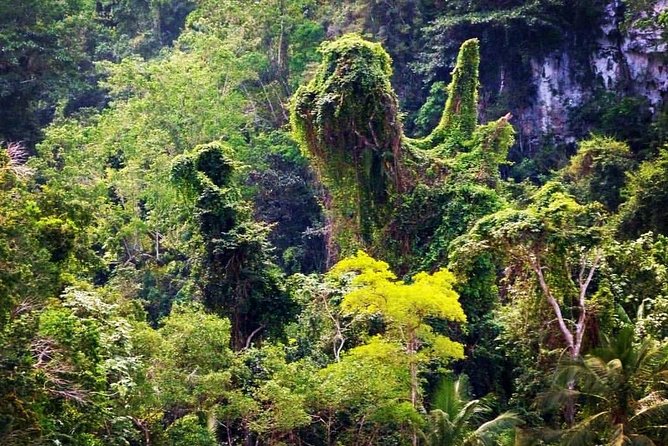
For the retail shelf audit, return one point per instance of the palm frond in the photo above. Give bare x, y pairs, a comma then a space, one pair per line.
583, 433
487, 432
618, 438
652, 361
450, 395
653, 413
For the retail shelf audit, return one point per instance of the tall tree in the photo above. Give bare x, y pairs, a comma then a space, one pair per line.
406, 309
240, 280
558, 242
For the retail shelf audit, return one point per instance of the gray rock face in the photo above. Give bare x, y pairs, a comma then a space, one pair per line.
629, 56
633, 59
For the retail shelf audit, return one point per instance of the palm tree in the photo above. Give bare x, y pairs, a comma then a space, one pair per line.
623, 389
454, 417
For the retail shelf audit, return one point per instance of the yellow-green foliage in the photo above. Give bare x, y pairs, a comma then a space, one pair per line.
347, 121
490, 144
404, 306
372, 381
460, 116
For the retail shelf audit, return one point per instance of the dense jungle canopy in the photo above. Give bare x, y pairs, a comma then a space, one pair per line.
323, 222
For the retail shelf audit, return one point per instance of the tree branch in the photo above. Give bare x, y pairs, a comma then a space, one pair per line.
538, 269
250, 337
582, 304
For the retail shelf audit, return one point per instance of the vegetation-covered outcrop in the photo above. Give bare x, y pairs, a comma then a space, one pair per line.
348, 122
239, 279
214, 233
347, 117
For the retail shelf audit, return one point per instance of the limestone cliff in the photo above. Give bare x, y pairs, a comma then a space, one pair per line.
628, 57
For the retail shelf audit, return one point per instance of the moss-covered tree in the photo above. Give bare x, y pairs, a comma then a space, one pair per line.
347, 119
460, 116
239, 279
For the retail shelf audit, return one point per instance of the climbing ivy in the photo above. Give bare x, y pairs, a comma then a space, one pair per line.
460, 116
347, 121
240, 279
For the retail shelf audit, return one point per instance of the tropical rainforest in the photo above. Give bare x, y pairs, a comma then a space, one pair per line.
325, 222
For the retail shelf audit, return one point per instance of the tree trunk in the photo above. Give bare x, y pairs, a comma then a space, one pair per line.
573, 338
412, 351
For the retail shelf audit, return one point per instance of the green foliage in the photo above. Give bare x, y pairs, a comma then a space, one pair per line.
39, 234
44, 43
190, 431
435, 215
282, 35
141, 27
283, 400
371, 170
598, 171
207, 167
489, 145
347, 121
454, 417
190, 361
621, 386
57, 236
641, 14
553, 220
635, 274
471, 191
463, 204
460, 115
50, 48
239, 278
550, 251
285, 195
196, 338
369, 383
71, 362
304, 41
144, 200
646, 196
432, 110
117, 162
625, 118
454, 193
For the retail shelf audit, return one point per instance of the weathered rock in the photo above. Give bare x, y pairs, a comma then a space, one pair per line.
629, 57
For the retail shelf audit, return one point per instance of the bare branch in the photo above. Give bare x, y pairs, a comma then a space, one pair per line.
582, 303
252, 335
538, 269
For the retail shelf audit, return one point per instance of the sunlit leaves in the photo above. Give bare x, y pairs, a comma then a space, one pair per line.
405, 306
